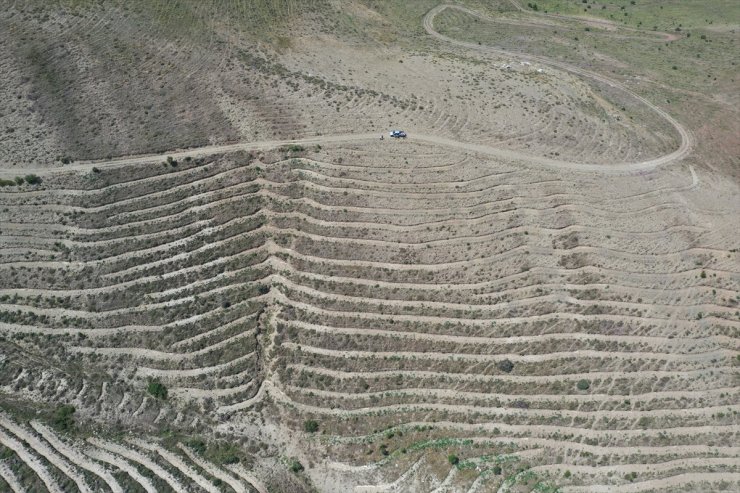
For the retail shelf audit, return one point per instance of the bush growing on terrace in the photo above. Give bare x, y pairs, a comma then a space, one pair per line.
157, 389
223, 453
505, 365
296, 466
33, 179
197, 445
62, 418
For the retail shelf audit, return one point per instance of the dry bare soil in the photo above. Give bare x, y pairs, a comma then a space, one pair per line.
214, 276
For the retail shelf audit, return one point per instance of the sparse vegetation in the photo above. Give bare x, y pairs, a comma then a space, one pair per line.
466, 307
223, 453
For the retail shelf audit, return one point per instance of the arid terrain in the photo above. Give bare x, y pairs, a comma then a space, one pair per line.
216, 277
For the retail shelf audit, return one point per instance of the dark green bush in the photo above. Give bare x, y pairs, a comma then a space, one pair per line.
62, 418
197, 445
505, 366
296, 466
157, 389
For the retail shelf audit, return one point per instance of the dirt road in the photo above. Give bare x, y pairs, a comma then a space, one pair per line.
506, 154
687, 139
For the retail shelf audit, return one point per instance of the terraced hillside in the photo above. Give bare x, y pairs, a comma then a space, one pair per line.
406, 297
36, 457
539, 290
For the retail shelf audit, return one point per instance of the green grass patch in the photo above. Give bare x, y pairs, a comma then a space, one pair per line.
666, 15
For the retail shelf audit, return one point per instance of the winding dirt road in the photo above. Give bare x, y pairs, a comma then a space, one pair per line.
685, 148
687, 139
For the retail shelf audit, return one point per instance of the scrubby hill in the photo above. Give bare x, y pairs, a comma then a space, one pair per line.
404, 298
244, 289
90, 81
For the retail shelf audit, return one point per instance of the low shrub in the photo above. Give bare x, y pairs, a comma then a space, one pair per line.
296, 466
505, 366
197, 445
62, 418
157, 389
